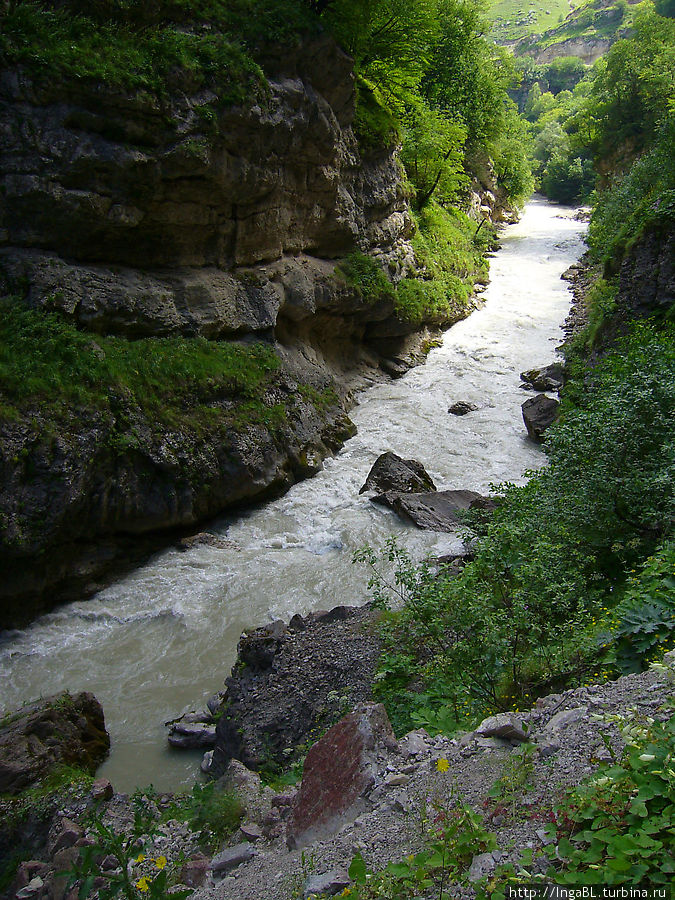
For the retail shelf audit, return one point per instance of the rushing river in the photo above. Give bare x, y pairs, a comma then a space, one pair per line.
164, 638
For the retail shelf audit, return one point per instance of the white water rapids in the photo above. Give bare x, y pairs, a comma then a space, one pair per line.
164, 638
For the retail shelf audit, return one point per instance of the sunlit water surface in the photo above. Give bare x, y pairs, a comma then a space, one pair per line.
163, 639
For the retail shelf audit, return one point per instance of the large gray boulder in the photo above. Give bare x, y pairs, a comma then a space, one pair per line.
392, 473
547, 378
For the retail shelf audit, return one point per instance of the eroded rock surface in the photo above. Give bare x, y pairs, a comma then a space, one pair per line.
63, 730
538, 414
392, 473
435, 510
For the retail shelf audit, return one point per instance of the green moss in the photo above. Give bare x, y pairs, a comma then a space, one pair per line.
375, 125
157, 47
47, 364
365, 275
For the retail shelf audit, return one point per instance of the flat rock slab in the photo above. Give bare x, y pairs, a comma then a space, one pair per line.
232, 857
503, 725
391, 473
432, 511
538, 414
339, 772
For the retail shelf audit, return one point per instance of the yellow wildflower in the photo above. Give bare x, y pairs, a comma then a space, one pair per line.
140, 857
347, 891
143, 885
442, 765
160, 862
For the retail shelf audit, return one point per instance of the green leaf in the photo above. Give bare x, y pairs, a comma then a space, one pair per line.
357, 869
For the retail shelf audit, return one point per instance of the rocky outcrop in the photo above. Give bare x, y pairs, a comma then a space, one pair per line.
546, 378
60, 731
139, 218
647, 275
292, 681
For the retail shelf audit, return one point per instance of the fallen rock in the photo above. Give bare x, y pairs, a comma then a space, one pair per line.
339, 772
101, 790
434, 511
538, 414
232, 857
565, 717
462, 407
206, 539
503, 725
548, 378
61, 730
391, 473
328, 884
192, 737
195, 870
251, 832
482, 864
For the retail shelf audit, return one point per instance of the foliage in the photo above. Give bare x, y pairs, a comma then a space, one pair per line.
600, 305
643, 198
212, 812
455, 835
530, 613
45, 360
645, 617
508, 789
365, 275
622, 818
432, 154
136, 875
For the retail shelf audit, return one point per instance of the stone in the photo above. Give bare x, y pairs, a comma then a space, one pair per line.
251, 831
538, 414
433, 511
195, 871
544, 837
546, 748
339, 771
64, 729
206, 762
101, 790
481, 865
415, 743
232, 857
33, 888
207, 539
65, 834
329, 884
396, 780
462, 407
192, 736
392, 473
566, 717
548, 378
503, 725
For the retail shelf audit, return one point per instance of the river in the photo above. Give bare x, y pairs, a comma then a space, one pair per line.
163, 638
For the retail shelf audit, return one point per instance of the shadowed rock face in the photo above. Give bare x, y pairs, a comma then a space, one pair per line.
64, 730
131, 217
538, 414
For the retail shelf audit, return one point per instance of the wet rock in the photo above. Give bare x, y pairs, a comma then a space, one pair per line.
503, 725
434, 511
206, 539
338, 773
462, 407
394, 367
61, 730
232, 857
538, 414
548, 378
192, 737
326, 885
392, 473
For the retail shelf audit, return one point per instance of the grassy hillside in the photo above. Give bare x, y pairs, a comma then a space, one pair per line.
513, 20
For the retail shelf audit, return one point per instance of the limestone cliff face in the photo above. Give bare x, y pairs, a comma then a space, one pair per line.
137, 218
141, 218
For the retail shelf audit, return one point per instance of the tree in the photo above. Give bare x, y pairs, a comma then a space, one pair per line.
433, 153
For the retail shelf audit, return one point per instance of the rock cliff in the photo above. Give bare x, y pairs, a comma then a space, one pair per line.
136, 219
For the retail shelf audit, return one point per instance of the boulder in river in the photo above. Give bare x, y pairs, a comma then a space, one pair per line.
548, 378
462, 407
538, 414
68, 729
391, 473
434, 510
